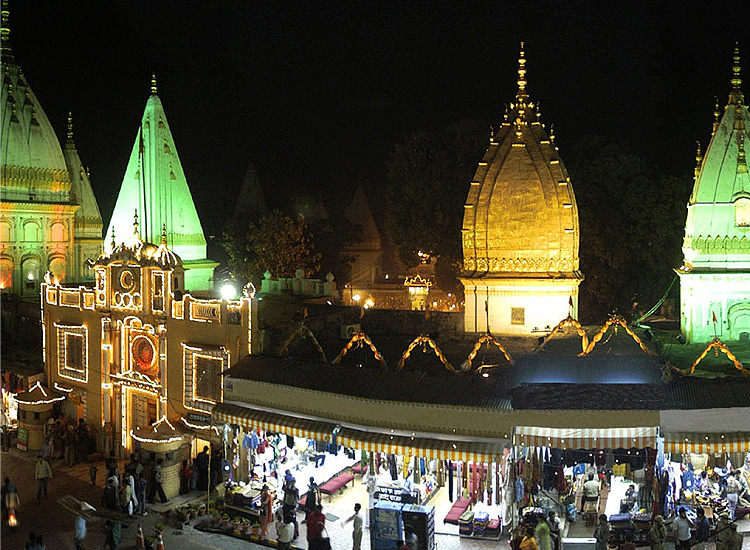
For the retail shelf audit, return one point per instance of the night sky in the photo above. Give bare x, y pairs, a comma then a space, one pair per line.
316, 93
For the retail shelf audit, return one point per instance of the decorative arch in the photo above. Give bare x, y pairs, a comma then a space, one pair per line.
615, 320
6, 272
742, 212
31, 231
718, 346
487, 339
358, 340
299, 331
6, 231
58, 232
739, 320
424, 341
567, 322
58, 267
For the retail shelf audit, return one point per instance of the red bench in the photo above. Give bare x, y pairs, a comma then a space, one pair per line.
458, 508
335, 484
357, 468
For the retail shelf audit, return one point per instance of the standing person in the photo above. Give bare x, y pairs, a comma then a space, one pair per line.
312, 498
681, 527
126, 497
42, 473
658, 533
140, 491
291, 499
185, 478
284, 532
316, 522
554, 529
590, 492
358, 526
542, 535
733, 493
112, 534
201, 462
723, 533
266, 510
528, 542
156, 483
10, 500
702, 529
70, 446
601, 533
735, 539
92, 473
109, 495
80, 527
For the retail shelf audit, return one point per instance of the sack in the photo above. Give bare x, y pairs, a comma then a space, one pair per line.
324, 542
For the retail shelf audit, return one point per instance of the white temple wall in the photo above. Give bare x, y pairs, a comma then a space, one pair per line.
723, 294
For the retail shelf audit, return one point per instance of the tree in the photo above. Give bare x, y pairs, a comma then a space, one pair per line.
631, 218
429, 174
277, 243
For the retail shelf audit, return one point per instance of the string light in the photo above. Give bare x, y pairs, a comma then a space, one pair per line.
46, 400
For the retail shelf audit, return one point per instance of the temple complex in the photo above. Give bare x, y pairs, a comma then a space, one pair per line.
520, 231
155, 187
49, 218
715, 275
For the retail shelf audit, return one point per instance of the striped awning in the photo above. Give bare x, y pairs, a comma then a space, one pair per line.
441, 449
698, 442
247, 418
587, 438
371, 441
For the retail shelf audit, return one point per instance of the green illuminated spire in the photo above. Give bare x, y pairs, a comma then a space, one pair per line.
6, 52
155, 185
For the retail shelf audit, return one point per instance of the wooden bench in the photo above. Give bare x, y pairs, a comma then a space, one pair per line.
458, 508
336, 484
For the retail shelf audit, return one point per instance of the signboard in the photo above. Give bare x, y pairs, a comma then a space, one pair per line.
23, 439
199, 418
397, 495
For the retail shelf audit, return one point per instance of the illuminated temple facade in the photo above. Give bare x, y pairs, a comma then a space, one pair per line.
520, 230
155, 187
49, 217
715, 275
134, 349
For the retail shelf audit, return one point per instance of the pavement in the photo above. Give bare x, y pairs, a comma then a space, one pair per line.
54, 517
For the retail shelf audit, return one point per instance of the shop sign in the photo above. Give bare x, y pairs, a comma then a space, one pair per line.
23, 439
199, 418
397, 495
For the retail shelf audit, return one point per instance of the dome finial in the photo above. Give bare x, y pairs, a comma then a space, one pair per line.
698, 159
164, 234
736, 95
113, 237
717, 116
6, 50
135, 223
70, 125
521, 95
153, 83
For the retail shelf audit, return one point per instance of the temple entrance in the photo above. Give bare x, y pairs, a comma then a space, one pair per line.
139, 409
739, 321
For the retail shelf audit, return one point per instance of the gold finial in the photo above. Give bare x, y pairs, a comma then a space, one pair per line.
717, 115
153, 84
5, 50
113, 238
164, 234
521, 95
698, 159
741, 159
70, 125
135, 223
736, 95
552, 134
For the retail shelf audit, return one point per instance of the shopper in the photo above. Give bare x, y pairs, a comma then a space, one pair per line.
185, 477
201, 462
555, 528
542, 534
723, 533
109, 496
733, 492
681, 527
42, 473
529, 542
316, 523
601, 533
156, 483
702, 530
291, 499
658, 533
590, 492
266, 510
140, 491
312, 498
284, 532
358, 527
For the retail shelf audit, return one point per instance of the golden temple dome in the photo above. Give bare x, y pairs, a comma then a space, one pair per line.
520, 216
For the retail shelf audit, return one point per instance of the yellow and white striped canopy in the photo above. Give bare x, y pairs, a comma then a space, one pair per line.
249, 419
697, 442
586, 438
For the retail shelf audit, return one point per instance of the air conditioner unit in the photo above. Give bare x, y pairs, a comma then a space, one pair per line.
347, 331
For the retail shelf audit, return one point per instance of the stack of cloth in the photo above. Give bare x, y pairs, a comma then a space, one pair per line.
481, 519
493, 528
642, 520
619, 521
466, 523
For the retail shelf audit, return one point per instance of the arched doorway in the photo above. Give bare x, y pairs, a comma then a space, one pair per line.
58, 267
739, 321
31, 273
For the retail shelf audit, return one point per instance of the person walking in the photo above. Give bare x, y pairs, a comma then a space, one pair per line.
681, 527
528, 542
658, 533
109, 495
601, 533
312, 498
42, 473
702, 530
112, 534
284, 532
554, 529
316, 523
358, 526
266, 510
291, 499
734, 488
140, 491
542, 534
156, 483
80, 526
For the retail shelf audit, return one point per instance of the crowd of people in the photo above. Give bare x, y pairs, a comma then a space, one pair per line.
66, 440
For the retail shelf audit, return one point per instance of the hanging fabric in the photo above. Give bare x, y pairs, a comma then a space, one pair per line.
450, 480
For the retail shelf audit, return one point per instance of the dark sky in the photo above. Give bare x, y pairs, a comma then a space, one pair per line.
316, 93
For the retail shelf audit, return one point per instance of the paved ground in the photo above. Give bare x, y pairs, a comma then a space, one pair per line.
54, 521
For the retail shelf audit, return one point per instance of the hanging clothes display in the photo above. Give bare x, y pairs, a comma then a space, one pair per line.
450, 480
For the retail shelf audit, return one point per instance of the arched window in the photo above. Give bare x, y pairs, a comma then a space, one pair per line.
58, 266
58, 232
30, 232
6, 273
31, 274
742, 212
5, 232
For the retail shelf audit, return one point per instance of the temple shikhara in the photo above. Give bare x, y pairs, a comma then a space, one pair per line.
520, 231
155, 187
715, 275
49, 217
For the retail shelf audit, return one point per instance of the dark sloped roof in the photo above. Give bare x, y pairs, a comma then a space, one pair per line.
689, 392
408, 386
588, 396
